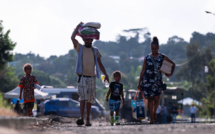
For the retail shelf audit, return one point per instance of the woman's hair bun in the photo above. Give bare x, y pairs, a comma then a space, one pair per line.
155, 41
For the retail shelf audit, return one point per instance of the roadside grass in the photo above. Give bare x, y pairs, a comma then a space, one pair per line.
7, 112
5, 108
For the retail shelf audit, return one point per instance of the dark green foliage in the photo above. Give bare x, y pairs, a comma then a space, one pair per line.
6, 47
175, 49
8, 80
57, 82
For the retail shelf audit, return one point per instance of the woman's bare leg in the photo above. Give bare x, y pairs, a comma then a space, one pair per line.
150, 107
156, 104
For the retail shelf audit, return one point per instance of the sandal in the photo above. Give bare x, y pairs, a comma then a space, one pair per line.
118, 123
88, 124
80, 122
151, 122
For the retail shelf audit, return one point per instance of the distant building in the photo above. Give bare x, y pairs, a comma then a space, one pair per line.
141, 59
69, 92
171, 96
116, 58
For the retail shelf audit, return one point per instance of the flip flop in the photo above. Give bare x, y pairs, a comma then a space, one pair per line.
80, 122
88, 124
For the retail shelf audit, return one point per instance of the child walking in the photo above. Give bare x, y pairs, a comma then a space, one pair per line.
26, 85
116, 91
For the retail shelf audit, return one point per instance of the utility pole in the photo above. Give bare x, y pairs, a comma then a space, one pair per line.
206, 71
214, 96
208, 12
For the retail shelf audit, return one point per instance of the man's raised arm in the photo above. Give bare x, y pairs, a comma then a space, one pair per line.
74, 41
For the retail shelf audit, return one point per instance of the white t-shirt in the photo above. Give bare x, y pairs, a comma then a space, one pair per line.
193, 109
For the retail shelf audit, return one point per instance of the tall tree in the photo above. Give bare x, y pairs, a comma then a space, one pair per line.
6, 46
8, 80
193, 69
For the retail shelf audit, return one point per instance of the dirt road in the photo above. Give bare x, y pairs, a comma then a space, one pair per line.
68, 126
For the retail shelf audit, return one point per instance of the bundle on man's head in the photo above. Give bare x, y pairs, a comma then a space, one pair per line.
89, 30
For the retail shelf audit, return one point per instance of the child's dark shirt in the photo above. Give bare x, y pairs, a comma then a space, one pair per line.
116, 90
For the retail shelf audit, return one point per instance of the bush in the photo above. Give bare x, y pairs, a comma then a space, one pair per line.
3, 102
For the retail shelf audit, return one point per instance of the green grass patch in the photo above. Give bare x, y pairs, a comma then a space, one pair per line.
3, 102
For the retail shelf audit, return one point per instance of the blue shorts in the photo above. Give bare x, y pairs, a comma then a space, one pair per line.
114, 105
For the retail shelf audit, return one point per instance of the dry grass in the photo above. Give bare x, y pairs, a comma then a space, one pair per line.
7, 112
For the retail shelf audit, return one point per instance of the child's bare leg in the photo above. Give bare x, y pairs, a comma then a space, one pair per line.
29, 111
111, 113
111, 118
26, 112
117, 117
117, 112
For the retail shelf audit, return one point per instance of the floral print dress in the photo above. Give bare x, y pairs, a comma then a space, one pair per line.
27, 83
152, 82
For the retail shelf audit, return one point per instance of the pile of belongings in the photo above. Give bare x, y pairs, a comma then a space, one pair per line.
89, 30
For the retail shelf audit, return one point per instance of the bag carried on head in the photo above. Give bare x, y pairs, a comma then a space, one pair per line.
96, 25
89, 30
137, 106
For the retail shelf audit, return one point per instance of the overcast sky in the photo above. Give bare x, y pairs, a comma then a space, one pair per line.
44, 27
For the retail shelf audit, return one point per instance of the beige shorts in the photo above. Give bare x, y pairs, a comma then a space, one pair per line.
87, 89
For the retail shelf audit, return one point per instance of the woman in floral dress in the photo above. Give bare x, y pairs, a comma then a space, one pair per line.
150, 81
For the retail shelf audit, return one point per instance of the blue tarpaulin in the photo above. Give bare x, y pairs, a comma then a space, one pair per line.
14, 100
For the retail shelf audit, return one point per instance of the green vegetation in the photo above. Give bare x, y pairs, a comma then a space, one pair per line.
4, 103
8, 79
6, 46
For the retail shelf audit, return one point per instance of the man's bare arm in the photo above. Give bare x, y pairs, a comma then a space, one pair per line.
108, 93
102, 68
75, 42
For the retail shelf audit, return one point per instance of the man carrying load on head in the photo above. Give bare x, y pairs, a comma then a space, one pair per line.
87, 68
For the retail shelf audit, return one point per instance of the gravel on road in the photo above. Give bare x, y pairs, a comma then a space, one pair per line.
60, 125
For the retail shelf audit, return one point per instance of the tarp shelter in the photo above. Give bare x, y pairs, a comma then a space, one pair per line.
14, 100
188, 101
15, 94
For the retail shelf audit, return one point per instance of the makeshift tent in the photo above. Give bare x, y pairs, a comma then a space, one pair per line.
15, 94
188, 101
14, 100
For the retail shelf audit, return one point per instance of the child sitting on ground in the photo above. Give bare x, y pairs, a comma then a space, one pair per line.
26, 85
116, 90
